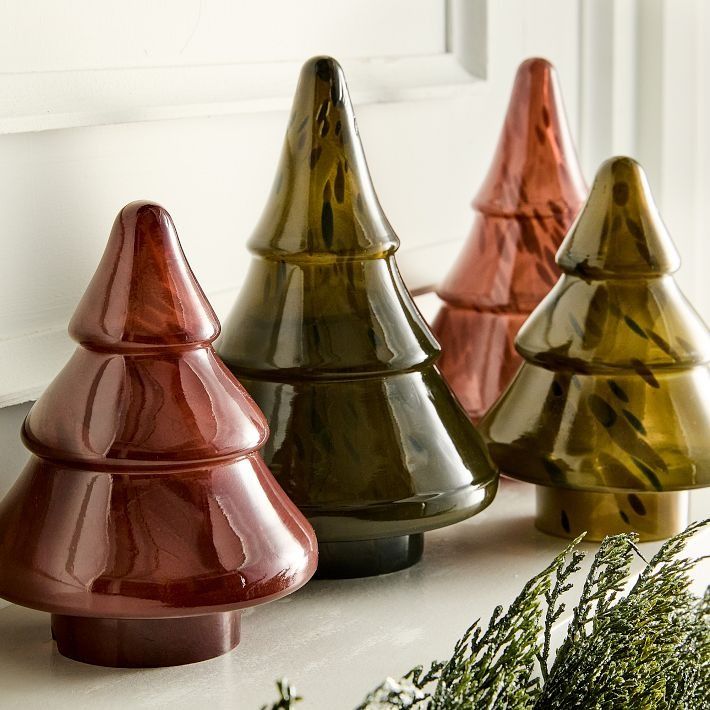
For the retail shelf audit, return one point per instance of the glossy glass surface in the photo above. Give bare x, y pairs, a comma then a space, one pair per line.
366, 437
153, 544
146, 496
529, 199
376, 456
614, 394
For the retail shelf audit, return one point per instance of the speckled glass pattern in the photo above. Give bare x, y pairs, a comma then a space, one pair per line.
366, 437
529, 199
614, 393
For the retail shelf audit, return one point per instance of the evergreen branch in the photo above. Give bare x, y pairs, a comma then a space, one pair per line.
288, 697
556, 607
648, 648
605, 579
408, 692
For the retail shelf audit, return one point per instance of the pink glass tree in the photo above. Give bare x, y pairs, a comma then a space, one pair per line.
528, 201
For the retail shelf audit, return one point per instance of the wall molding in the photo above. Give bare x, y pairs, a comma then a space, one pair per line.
56, 100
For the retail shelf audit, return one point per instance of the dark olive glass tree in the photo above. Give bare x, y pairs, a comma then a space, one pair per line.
610, 413
367, 439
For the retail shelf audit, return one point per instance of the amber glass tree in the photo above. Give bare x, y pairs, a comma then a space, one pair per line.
610, 413
532, 193
146, 519
367, 439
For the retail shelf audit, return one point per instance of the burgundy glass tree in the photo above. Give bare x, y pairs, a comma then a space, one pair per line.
146, 519
528, 201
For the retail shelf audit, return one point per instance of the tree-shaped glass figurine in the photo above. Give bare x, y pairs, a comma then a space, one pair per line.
533, 192
367, 439
610, 413
146, 519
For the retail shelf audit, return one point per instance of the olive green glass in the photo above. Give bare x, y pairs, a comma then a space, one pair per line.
366, 438
614, 394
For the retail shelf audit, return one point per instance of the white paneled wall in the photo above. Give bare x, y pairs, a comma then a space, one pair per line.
14, 454
203, 138
645, 82
185, 103
675, 47
85, 34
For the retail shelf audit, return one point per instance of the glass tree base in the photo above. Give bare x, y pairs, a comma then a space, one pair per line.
568, 513
366, 558
145, 643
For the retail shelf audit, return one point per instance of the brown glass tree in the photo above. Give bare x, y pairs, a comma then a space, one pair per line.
367, 438
146, 519
610, 413
532, 193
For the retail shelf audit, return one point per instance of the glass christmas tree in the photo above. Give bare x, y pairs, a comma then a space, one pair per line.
366, 438
146, 519
528, 201
610, 413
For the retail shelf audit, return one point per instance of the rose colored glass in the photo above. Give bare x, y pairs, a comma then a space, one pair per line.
367, 438
610, 413
528, 201
146, 520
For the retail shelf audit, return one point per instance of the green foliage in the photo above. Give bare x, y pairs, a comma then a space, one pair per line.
646, 648
288, 697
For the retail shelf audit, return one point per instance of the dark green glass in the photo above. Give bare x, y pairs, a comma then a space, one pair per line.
610, 412
366, 438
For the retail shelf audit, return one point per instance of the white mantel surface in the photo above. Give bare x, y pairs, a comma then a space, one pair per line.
335, 640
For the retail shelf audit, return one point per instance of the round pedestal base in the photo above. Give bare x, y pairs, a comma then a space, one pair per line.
568, 513
366, 558
145, 643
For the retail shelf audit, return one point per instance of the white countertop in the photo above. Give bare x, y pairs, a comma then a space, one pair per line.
333, 639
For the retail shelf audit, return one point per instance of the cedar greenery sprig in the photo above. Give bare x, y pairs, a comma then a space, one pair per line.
288, 697
648, 648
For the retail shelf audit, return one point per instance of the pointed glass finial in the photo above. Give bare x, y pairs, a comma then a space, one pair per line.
535, 169
146, 518
143, 292
529, 199
620, 230
366, 437
323, 201
610, 411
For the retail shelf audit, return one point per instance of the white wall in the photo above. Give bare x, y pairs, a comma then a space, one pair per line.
186, 104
